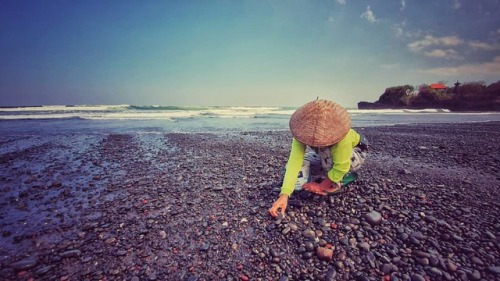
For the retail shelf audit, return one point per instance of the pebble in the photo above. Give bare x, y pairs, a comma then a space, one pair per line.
494, 269
71, 254
324, 253
308, 233
417, 277
286, 230
373, 218
364, 246
24, 264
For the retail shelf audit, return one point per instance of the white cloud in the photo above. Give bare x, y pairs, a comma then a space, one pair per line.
390, 66
449, 54
369, 15
429, 40
341, 2
456, 4
478, 45
487, 68
403, 4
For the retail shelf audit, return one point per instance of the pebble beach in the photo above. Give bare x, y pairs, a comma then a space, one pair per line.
194, 206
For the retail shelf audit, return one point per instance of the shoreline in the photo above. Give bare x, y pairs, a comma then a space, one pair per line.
193, 206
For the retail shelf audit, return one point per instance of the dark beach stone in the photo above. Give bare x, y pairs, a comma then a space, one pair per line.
475, 275
286, 230
308, 233
71, 254
43, 270
370, 257
24, 264
364, 246
417, 235
422, 261
494, 269
330, 275
344, 241
435, 271
421, 254
309, 246
417, 277
204, 247
373, 218
478, 261
362, 278
386, 268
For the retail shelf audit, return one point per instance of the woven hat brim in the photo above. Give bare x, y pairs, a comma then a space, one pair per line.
320, 123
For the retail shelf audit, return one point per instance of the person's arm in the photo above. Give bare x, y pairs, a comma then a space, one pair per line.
341, 156
293, 166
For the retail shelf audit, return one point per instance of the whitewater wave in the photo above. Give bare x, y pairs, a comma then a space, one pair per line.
176, 113
56, 108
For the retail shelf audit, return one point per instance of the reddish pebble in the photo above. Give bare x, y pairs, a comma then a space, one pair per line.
333, 225
244, 277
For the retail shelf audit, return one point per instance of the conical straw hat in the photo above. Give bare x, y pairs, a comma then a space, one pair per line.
320, 123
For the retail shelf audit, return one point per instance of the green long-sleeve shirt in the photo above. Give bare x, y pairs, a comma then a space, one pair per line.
341, 157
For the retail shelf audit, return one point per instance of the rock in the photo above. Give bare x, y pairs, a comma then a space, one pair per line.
286, 230
435, 271
24, 264
417, 277
451, 267
324, 253
422, 261
373, 218
365, 246
387, 268
330, 275
494, 269
308, 233
71, 254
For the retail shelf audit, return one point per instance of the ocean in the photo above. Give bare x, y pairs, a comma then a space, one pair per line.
156, 118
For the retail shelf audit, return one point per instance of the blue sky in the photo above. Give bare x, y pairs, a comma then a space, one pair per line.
233, 52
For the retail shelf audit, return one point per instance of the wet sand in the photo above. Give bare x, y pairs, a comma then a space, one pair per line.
194, 207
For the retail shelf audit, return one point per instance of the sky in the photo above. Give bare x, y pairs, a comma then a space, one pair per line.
237, 52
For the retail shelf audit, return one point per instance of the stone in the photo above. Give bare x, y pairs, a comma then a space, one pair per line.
324, 253
24, 264
417, 277
494, 269
308, 233
373, 218
364, 246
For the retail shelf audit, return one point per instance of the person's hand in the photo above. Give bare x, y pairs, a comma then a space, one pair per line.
279, 206
311, 186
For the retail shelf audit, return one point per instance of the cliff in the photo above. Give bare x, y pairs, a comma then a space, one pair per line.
472, 96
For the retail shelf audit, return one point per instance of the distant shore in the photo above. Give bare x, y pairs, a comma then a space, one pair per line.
176, 206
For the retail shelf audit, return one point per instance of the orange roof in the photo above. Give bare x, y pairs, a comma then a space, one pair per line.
438, 86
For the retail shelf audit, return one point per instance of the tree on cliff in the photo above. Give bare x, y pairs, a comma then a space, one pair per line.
492, 91
396, 96
472, 91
